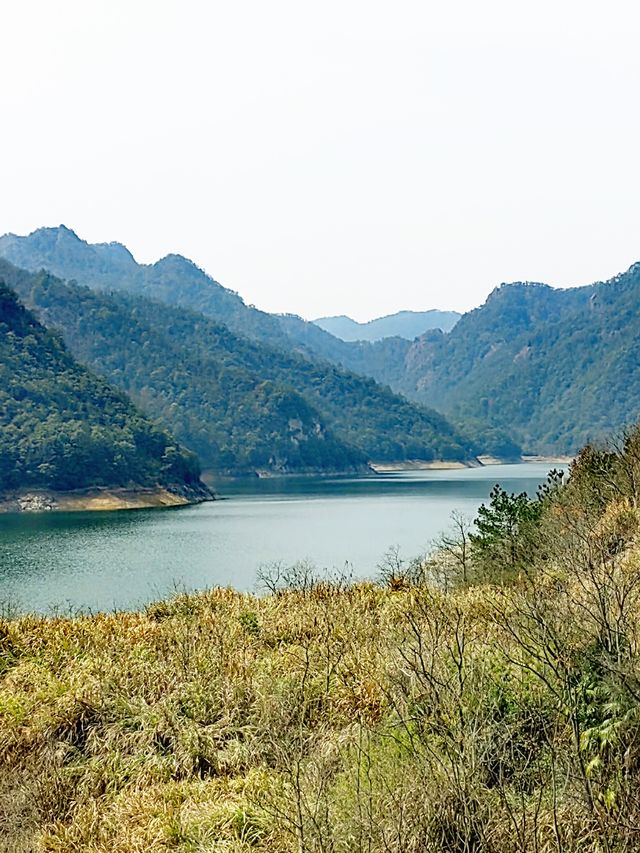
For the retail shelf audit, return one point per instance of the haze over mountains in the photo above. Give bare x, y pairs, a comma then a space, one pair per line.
403, 324
534, 368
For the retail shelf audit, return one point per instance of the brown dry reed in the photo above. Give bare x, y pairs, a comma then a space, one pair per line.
411, 716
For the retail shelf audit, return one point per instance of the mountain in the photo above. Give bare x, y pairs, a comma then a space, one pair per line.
63, 428
176, 280
560, 367
110, 266
404, 324
241, 405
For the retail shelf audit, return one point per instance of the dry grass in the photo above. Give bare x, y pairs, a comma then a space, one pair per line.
332, 718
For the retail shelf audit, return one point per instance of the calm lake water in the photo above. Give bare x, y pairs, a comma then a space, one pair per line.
107, 560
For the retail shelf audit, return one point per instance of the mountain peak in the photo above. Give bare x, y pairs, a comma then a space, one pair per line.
66, 230
55, 232
116, 250
175, 259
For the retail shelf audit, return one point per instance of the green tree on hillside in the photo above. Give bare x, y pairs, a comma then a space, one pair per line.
63, 428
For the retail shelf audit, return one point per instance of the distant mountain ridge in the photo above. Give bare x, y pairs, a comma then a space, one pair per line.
178, 281
111, 266
403, 324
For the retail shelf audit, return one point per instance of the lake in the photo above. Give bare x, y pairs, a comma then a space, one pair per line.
122, 560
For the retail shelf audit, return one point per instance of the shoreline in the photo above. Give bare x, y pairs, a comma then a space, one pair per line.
421, 465
211, 478
104, 499
100, 499
480, 462
559, 460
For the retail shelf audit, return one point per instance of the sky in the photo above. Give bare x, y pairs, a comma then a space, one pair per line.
331, 158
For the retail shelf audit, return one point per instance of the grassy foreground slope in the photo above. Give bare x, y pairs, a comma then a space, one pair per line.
487, 700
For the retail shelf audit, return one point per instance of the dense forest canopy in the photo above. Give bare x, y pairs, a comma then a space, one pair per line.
560, 367
63, 428
536, 367
239, 404
176, 280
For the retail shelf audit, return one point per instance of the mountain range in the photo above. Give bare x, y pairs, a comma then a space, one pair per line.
240, 404
403, 324
177, 281
535, 367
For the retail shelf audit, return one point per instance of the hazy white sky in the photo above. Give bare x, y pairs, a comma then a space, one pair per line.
334, 157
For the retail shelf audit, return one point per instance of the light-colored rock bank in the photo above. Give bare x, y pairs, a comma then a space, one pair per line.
418, 465
43, 500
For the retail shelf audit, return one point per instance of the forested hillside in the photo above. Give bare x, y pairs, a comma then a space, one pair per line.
173, 279
240, 405
63, 428
559, 367
177, 281
535, 367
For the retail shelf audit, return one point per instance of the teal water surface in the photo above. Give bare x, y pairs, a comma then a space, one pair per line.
107, 560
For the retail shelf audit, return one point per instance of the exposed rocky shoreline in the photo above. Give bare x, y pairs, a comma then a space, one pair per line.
103, 499
420, 465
